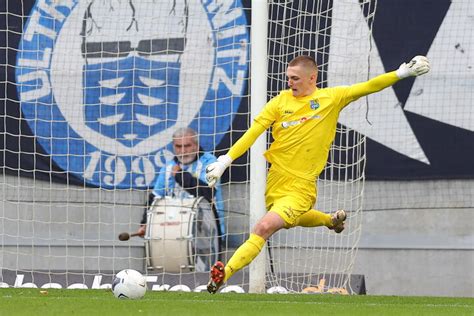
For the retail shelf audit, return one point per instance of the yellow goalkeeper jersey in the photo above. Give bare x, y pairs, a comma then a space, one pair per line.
304, 128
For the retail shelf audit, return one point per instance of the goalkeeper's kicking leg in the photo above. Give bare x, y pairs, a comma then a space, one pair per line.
267, 226
314, 218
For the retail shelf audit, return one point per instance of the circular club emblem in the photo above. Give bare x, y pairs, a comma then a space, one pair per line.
105, 84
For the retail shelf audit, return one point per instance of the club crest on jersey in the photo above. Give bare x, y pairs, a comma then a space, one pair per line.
313, 104
103, 85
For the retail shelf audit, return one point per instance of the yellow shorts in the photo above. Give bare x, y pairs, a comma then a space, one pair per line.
289, 197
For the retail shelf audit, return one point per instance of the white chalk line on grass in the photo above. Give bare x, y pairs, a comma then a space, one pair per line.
251, 301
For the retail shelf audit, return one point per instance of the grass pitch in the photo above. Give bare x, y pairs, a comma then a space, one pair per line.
102, 302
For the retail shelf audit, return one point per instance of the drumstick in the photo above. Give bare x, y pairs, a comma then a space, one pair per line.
126, 236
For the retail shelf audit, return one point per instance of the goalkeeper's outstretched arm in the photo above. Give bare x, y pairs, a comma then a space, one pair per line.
418, 66
215, 170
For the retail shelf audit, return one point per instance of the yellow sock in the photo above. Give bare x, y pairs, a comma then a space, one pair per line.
244, 255
313, 218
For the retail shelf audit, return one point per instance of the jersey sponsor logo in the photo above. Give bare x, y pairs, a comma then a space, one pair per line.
313, 104
300, 121
104, 84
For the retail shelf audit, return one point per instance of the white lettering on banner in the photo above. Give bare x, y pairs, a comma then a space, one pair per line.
214, 5
239, 52
232, 289
160, 288
18, 280
224, 14
77, 286
277, 290
221, 19
37, 63
167, 156
229, 33
51, 286
92, 165
29, 285
180, 288
50, 9
148, 171
200, 288
96, 284
36, 28
43, 90
117, 170
221, 75
116, 166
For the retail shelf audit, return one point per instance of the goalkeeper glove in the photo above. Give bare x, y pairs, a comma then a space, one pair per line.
418, 66
215, 170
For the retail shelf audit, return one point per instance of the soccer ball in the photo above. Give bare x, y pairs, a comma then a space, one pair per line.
129, 284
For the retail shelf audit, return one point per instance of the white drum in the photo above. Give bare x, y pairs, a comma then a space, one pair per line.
182, 235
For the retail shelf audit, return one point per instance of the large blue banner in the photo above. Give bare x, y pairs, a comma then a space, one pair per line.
103, 85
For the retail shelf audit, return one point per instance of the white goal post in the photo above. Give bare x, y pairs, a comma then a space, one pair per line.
259, 64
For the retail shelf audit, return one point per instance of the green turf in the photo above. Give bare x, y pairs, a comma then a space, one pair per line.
102, 302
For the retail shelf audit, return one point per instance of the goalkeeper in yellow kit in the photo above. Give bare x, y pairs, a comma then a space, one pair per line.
303, 120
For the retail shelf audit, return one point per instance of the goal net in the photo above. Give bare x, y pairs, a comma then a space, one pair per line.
91, 94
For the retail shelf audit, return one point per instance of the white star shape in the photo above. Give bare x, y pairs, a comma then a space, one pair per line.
446, 94
348, 64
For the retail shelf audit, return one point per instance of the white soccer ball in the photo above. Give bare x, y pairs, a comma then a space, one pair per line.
129, 284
